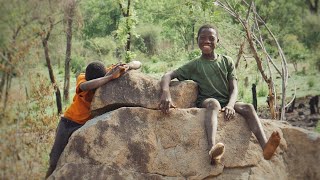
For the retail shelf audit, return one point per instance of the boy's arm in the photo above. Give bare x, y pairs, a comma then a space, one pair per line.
95, 83
233, 90
165, 100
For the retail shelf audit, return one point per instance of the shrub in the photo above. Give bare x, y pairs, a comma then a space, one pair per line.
148, 40
310, 83
146, 69
194, 54
78, 64
262, 92
101, 45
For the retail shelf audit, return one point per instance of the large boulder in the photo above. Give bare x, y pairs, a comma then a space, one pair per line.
140, 143
137, 89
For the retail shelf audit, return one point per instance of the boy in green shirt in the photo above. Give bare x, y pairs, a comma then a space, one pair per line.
218, 91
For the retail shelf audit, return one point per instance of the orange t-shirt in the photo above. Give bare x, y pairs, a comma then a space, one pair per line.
79, 110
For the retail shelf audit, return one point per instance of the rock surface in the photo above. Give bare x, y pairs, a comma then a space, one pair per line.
137, 89
139, 143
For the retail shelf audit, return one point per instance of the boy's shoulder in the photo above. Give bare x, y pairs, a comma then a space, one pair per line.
81, 76
225, 57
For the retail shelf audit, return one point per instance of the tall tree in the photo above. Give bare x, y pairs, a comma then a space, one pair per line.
16, 40
101, 17
126, 28
250, 20
69, 15
47, 24
126, 12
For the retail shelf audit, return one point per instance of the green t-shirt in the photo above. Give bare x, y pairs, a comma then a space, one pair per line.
212, 77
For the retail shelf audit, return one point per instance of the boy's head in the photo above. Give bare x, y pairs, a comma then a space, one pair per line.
207, 38
95, 70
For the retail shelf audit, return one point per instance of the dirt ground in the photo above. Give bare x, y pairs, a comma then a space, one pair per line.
300, 117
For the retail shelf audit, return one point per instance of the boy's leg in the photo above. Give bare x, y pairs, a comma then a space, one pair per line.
211, 124
248, 112
64, 130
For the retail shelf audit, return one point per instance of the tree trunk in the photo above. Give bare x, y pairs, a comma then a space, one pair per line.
51, 75
69, 17
193, 28
295, 65
313, 6
2, 83
8, 85
259, 64
254, 96
128, 26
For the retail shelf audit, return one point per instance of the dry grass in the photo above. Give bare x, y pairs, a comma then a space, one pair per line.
27, 131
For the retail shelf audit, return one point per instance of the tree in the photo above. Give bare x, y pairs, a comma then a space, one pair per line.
17, 39
251, 21
294, 50
45, 32
126, 28
101, 18
69, 15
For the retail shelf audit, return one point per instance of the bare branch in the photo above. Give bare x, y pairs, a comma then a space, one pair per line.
248, 13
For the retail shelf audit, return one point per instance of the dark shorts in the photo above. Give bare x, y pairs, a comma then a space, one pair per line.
64, 130
199, 103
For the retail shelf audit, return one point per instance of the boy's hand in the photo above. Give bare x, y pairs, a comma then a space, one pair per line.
120, 70
229, 112
166, 102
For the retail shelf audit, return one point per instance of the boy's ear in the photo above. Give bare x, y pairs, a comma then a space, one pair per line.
218, 40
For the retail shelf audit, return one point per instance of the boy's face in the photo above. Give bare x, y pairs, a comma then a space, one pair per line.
207, 40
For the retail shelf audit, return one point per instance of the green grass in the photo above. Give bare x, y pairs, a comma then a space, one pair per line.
318, 127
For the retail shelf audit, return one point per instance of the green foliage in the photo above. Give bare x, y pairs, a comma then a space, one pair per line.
311, 29
310, 82
101, 17
78, 64
294, 50
318, 127
194, 54
129, 56
262, 91
146, 69
101, 45
173, 54
148, 40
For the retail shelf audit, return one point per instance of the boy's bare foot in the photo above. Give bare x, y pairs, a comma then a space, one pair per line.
271, 145
216, 153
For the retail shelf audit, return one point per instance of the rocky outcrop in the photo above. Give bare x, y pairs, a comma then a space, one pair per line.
139, 142
137, 89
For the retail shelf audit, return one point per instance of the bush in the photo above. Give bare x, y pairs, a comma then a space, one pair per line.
78, 64
262, 92
310, 83
173, 54
101, 45
148, 40
146, 69
194, 54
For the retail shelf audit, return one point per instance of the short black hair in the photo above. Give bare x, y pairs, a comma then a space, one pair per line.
207, 26
95, 70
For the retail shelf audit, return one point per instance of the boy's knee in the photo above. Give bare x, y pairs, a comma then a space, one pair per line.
211, 104
247, 108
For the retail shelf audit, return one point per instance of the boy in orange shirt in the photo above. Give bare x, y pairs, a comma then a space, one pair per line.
79, 113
